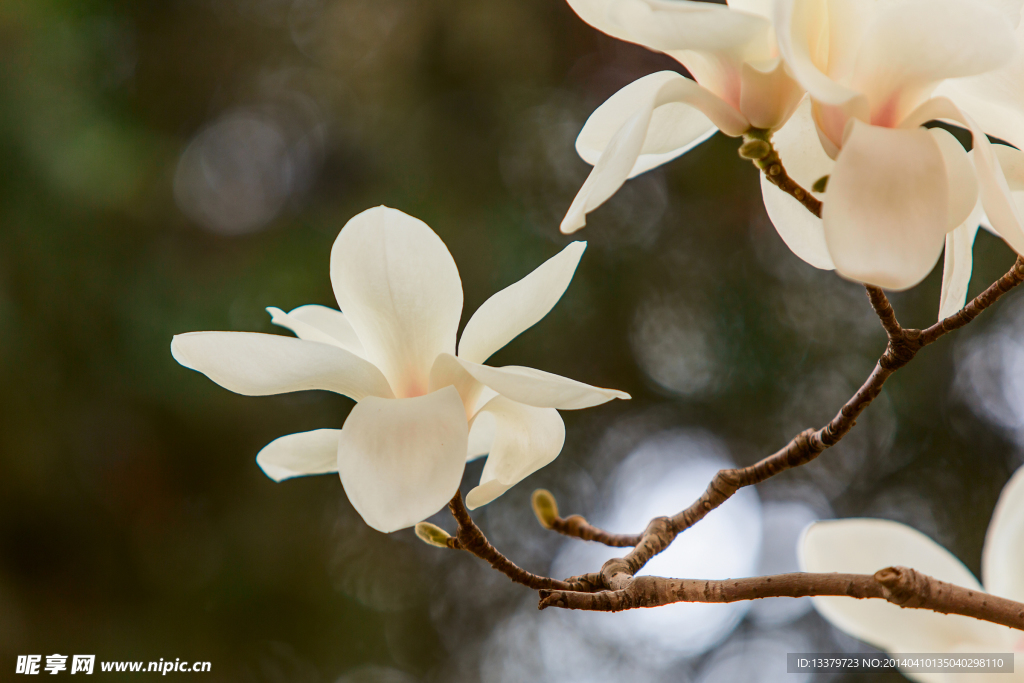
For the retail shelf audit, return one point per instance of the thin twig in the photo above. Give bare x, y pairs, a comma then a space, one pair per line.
470, 538
759, 149
899, 585
578, 527
883, 309
903, 345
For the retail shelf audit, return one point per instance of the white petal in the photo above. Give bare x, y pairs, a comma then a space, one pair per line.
761, 8
699, 26
993, 116
400, 289
1002, 560
518, 307
540, 389
262, 364
959, 262
961, 178
675, 127
526, 439
994, 182
886, 216
912, 45
319, 323
596, 13
818, 41
768, 95
637, 136
448, 373
481, 435
297, 455
806, 162
864, 546
812, 39
401, 460
1010, 162
995, 99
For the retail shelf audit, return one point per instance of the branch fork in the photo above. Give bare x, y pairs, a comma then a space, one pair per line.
616, 587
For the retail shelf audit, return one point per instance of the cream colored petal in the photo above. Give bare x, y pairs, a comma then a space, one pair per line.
637, 136
1010, 162
805, 161
448, 373
518, 307
961, 178
596, 13
675, 127
298, 455
912, 45
762, 8
401, 460
319, 323
886, 214
1011, 9
804, 38
540, 389
262, 364
684, 25
525, 440
864, 546
998, 199
994, 99
1002, 560
481, 435
768, 95
997, 119
957, 267
401, 291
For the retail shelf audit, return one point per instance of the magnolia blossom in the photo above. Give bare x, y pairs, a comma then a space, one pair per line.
421, 408
896, 192
995, 99
863, 546
741, 83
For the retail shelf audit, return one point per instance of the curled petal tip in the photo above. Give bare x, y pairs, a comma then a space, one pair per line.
178, 353
572, 223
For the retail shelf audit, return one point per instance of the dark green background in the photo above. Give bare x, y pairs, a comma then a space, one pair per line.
134, 523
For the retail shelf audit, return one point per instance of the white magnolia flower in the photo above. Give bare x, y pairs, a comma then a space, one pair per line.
995, 99
896, 191
422, 409
863, 546
741, 83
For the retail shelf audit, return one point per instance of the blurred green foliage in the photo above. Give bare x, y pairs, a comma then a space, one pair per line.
134, 523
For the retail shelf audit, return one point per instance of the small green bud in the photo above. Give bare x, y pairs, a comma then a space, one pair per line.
432, 534
755, 149
820, 184
545, 507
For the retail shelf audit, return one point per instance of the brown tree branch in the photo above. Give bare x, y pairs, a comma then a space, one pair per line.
616, 587
899, 585
470, 538
578, 527
758, 148
617, 574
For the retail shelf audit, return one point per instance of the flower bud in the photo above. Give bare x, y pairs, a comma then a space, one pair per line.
545, 507
755, 149
431, 534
